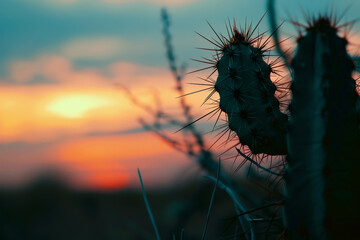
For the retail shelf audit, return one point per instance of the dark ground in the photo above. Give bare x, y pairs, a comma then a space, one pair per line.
47, 210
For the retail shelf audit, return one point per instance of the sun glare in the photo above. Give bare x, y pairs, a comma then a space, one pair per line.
77, 105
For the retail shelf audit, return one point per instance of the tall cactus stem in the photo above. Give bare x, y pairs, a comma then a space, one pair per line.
322, 187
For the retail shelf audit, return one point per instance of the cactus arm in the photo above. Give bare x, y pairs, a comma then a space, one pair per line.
247, 97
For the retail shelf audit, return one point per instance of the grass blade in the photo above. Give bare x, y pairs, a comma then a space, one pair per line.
148, 207
211, 201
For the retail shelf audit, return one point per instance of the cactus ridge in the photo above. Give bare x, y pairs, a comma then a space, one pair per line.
247, 94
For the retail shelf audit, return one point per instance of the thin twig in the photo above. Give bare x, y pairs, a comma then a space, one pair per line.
274, 26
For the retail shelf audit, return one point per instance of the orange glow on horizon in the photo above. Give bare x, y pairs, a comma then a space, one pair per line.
109, 149
105, 181
107, 160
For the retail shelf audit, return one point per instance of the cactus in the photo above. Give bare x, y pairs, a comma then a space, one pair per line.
323, 140
321, 137
247, 93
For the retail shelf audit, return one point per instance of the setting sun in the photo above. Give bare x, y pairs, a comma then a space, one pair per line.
75, 106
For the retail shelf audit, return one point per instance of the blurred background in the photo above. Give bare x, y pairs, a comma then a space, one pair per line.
81, 84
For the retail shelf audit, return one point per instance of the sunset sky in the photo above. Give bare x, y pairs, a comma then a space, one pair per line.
61, 62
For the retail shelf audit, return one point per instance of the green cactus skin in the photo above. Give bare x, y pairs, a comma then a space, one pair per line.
322, 185
247, 96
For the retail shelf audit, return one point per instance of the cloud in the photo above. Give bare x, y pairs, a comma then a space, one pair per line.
93, 48
50, 67
354, 43
122, 132
53, 69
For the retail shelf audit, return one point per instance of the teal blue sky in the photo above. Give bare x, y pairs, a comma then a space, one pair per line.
30, 28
